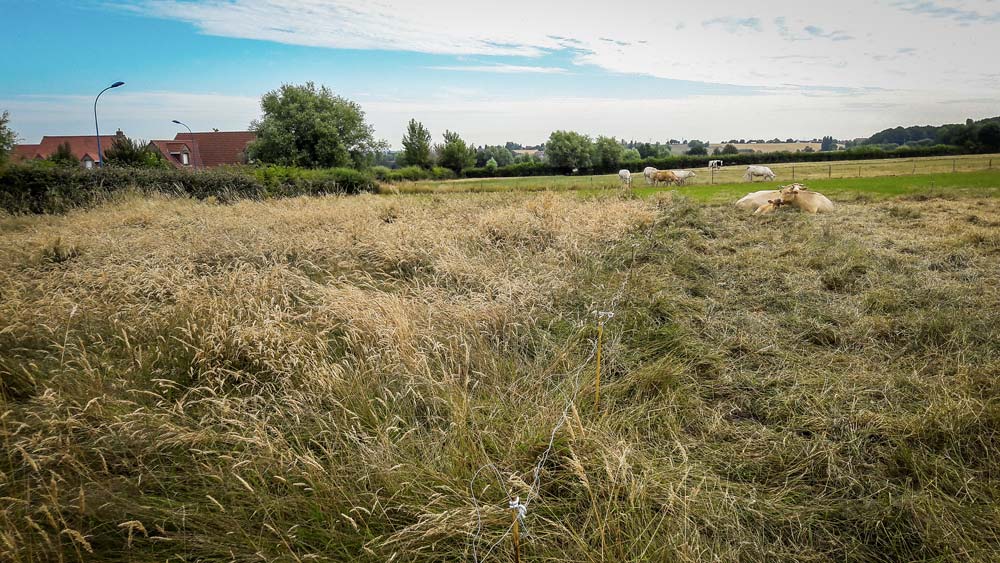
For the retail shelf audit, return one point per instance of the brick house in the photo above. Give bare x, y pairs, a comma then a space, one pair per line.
83, 147
206, 150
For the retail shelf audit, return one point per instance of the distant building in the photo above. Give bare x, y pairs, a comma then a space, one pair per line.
540, 155
218, 148
83, 147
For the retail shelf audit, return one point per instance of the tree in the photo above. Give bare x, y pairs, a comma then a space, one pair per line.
491, 166
455, 153
568, 150
7, 137
717, 151
133, 153
416, 146
730, 149
607, 153
808, 149
501, 154
630, 154
828, 144
696, 147
310, 127
64, 156
512, 146
989, 136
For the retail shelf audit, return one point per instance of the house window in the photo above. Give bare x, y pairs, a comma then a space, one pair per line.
184, 158
88, 164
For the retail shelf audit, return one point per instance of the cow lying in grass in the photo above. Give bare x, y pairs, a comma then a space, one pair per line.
769, 207
756, 199
809, 201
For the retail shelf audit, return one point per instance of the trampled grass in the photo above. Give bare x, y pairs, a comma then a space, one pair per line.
786, 173
321, 379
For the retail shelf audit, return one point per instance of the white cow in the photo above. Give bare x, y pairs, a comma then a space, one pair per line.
757, 199
648, 173
683, 175
755, 171
715, 164
626, 178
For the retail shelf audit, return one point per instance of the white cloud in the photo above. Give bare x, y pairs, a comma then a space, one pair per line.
723, 42
503, 69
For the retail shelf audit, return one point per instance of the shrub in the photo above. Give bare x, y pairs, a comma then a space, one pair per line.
45, 188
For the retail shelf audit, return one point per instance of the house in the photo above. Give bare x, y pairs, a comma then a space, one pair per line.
534, 153
83, 147
180, 154
206, 150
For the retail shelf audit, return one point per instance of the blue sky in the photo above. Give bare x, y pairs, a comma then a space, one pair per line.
507, 75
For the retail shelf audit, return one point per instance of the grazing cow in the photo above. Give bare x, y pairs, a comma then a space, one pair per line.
770, 206
665, 177
755, 171
683, 175
626, 178
756, 199
809, 201
648, 173
715, 164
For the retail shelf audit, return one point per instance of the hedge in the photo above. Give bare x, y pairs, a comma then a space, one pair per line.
44, 188
691, 161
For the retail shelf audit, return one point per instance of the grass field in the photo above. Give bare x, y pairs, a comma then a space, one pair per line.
371, 378
803, 172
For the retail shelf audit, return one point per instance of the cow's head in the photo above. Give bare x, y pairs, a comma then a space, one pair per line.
789, 193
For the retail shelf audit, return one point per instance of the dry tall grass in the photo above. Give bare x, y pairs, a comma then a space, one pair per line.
320, 379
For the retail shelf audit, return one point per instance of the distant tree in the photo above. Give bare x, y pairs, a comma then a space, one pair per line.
989, 136
674, 142
568, 150
789, 140
491, 165
630, 154
501, 154
743, 141
716, 151
308, 126
775, 140
64, 156
696, 147
454, 153
828, 144
808, 149
607, 152
125, 152
730, 149
7, 137
512, 146
416, 146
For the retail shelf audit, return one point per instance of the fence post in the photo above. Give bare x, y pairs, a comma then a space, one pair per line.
859, 171
953, 163
991, 164
793, 173
914, 167
829, 171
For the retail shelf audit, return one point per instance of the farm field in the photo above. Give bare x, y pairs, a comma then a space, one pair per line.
373, 378
802, 172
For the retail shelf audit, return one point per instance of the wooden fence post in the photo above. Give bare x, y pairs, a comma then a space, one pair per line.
793, 173
954, 161
829, 171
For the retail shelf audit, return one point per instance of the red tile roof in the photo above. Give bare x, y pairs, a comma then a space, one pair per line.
25, 152
80, 145
220, 147
171, 148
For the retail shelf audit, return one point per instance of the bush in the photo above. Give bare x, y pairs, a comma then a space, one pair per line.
45, 188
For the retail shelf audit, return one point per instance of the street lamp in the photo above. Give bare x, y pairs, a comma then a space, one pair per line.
100, 159
195, 164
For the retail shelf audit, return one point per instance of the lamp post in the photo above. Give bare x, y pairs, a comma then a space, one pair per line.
100, 158
193, 163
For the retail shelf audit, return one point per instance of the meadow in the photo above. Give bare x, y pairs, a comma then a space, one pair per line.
375, 377
728, 175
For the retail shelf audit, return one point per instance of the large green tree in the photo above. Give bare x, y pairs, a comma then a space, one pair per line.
416, 146
607, 152
7, 137
696, 147
989, 136
303, 125
454, 153
828, 144
569, 150
499, 153
730, 149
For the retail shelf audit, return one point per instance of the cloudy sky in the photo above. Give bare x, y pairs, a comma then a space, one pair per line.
649, 70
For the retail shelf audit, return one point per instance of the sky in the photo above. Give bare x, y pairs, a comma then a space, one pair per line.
645, 70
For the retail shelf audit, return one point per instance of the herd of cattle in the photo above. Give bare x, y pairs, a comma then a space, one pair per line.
764, 201
656, 177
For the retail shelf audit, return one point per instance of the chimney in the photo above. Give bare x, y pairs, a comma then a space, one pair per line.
119, 134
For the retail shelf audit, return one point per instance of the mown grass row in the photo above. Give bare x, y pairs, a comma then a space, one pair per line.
321, 379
